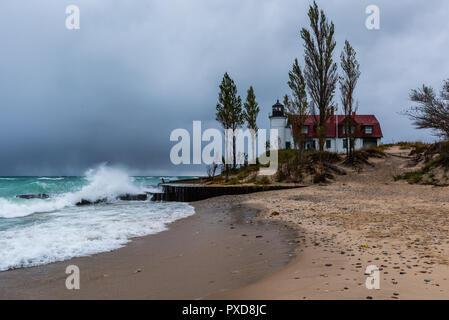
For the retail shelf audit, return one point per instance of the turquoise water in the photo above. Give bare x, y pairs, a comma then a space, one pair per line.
40, 231
10, 187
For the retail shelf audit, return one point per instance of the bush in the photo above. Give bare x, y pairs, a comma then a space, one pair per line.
316, 156
434, 156
263, 181
319, 178
411, 177
233, 181
362, 156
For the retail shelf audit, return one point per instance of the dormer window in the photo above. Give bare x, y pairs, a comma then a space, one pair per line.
305, 129
368, 129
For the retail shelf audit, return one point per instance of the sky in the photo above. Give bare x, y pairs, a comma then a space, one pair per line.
114, 90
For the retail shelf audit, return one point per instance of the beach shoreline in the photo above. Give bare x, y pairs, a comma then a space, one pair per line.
224, 245
310, 243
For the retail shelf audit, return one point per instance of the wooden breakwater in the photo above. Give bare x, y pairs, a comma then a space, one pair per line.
194, 192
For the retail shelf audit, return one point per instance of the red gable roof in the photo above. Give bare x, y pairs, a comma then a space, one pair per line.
361, 120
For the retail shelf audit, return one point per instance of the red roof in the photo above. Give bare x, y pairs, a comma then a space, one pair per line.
361, 122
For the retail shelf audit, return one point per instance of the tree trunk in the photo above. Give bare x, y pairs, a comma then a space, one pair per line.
234, 162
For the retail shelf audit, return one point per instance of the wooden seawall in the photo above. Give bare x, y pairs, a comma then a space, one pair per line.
196, 192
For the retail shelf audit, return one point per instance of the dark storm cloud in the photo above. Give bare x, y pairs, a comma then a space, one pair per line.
113, 90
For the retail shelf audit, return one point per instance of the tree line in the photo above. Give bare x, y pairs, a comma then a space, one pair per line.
231, 115
317, 80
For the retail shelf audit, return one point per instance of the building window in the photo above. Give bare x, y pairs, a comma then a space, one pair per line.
288, 145
328, 144
368, 129
305, 130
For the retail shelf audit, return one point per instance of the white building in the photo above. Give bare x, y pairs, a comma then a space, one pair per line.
366, 131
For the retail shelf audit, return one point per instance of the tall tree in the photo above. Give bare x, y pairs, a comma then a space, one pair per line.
229, 111
250, 114
432, 111
348, 82
320, 70
297, 106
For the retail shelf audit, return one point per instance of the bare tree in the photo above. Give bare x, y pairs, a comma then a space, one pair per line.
432, 111
211, 169
320, 70
348, 82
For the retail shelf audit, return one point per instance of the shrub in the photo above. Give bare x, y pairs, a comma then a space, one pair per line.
411, 177
319, 178
233, 181
263, 181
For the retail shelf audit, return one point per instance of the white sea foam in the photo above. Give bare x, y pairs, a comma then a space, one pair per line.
41, 231
75, 232
102, 183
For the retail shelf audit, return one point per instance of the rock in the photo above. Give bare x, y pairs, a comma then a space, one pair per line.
328, 264
133, 197
274, 213
33, 196
85, 202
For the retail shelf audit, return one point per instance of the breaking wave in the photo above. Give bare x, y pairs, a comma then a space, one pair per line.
103, 183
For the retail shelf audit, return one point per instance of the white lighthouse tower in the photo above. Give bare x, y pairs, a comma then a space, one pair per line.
278, 120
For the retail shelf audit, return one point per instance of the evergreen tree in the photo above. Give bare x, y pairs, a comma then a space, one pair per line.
250, 114
229, 111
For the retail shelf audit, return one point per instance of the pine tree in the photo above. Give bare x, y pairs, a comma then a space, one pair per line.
250, 114
229, 110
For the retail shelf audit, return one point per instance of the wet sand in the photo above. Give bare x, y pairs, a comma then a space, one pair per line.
223, 246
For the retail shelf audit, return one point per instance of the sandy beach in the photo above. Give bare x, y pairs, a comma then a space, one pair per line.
308, 243
359, 220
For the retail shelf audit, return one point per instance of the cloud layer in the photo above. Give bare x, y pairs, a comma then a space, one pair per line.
113, 90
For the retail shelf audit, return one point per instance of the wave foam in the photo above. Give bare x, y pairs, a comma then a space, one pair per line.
102, 183
77, 232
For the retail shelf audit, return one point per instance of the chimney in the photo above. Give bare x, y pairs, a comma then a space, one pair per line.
353, 114
332, 111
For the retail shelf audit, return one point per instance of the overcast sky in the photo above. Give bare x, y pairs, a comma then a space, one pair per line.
137, 69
